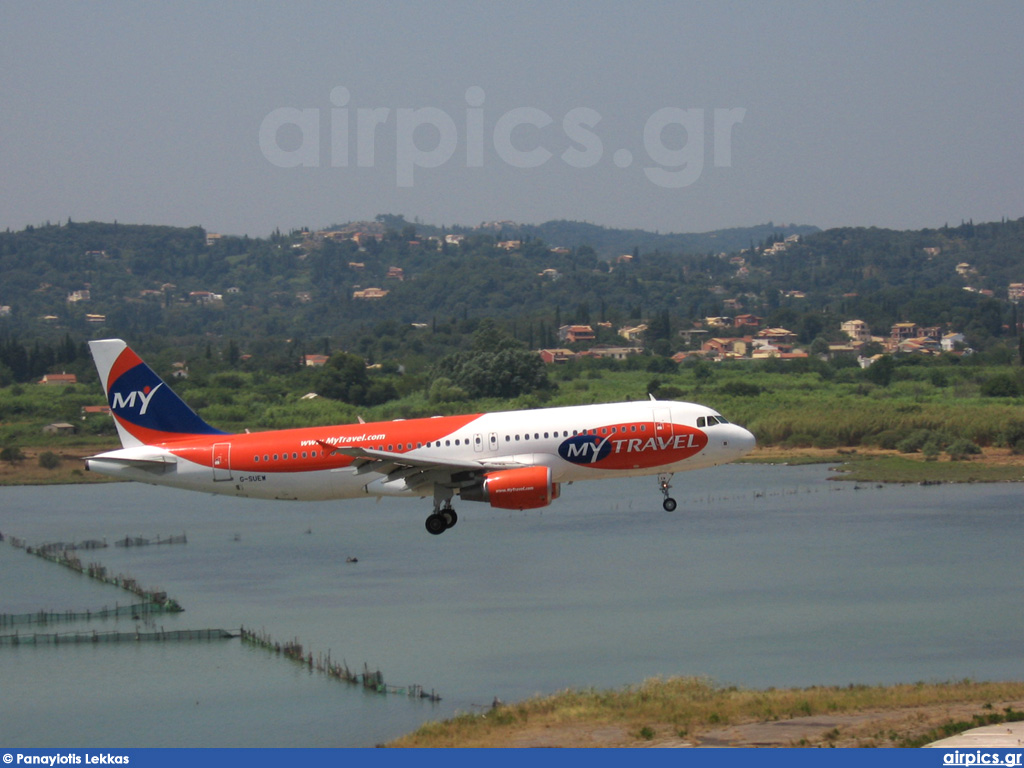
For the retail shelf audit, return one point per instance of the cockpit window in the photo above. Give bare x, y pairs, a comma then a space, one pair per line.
710, 421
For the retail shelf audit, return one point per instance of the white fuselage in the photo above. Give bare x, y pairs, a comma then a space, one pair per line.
575, 443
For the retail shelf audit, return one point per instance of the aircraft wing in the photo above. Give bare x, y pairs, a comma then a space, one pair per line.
415, 471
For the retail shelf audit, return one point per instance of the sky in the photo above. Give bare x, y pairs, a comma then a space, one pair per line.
243, 117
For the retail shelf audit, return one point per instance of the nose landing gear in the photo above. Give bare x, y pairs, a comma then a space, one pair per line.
669, 504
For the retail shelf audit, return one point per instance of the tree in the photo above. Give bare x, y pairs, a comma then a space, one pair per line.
49, 460
659, 326
871, 348
881, 371
345, 378
1001, 385
819, 347
495, 366
962, 450
12, 455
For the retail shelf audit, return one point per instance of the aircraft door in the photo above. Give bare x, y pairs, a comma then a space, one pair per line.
662, 422
478, 442
492, 441
221, 461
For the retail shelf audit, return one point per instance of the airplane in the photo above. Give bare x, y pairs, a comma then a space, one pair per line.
510, 460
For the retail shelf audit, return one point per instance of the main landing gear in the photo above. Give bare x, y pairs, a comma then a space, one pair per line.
669, 504
443, 516
440, 521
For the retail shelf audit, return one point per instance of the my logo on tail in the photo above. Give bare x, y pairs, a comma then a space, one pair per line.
146, 407
131, 387
144, 396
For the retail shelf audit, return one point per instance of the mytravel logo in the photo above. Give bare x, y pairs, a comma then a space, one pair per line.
622, 450
524, 137
584, 449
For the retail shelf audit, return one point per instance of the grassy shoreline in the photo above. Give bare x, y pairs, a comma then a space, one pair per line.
695, 712
70, 471
993, 465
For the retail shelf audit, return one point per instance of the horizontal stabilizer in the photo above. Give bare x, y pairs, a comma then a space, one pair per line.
157, 463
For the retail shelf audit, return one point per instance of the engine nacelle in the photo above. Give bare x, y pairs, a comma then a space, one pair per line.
525, 488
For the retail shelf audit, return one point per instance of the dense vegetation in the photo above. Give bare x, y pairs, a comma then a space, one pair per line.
455, 333
287, 295
929, 407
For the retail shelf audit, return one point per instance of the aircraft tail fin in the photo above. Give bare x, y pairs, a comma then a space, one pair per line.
145, 409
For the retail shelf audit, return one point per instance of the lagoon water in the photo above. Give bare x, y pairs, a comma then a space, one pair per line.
765, 576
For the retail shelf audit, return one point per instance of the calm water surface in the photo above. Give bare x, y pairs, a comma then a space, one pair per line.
766, 576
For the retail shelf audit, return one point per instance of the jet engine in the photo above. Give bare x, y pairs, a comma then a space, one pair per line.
525, 488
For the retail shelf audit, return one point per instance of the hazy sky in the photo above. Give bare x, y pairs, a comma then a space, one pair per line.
674, 116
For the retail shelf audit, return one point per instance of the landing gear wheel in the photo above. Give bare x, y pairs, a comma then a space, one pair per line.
664, 480
436, 524
449, 516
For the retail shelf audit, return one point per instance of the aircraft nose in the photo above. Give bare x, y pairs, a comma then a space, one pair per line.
743, 441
